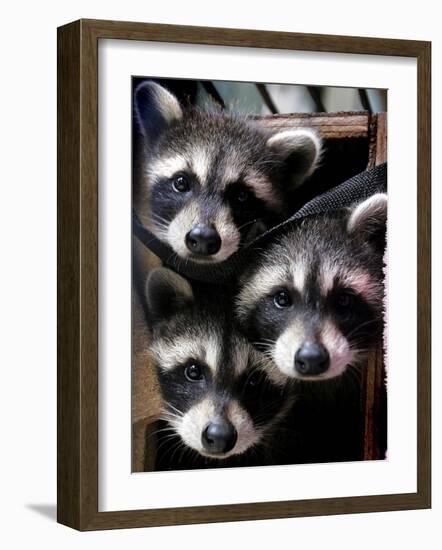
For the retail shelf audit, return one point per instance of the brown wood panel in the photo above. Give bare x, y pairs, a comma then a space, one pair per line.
68, 276
89, 277
373, 404
78, 276
328, 125
377, 136
257, 510
424, 273
211, 36
146, 399
78, 268
374, 375
381, 139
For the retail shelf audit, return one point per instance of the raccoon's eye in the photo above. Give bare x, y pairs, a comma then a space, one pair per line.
344, 299
282, 299
242, 195
255, 379
181, 184
193, 372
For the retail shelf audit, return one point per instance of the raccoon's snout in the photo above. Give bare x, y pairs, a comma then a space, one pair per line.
312, 359
219, 437
203, 240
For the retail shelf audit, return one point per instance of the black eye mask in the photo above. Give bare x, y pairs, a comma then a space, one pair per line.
355, 189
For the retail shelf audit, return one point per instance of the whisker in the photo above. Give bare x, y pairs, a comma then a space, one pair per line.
170, 406
248, 223
365, 323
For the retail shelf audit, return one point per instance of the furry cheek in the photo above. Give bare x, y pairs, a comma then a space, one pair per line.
341, 355
191, 425
264, 190
227, 230
188, 217
286, 347
248, 436
179, 227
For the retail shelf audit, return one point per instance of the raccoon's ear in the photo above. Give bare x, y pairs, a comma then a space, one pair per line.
166, 293
368, 220
155, 108
300, 150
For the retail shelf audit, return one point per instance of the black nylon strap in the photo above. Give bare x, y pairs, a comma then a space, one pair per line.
355, 189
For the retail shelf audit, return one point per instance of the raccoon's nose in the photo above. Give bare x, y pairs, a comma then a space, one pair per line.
203, 240
312, 359
219, 437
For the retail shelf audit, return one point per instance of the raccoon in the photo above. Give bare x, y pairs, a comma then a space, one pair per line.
314, 300
220, 401
212, 181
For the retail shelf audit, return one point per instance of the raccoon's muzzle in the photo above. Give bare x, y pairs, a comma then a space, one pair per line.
219, 437
203, 240
311, 359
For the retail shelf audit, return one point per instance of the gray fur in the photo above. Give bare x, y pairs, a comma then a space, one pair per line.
220, 155
317, 261
199, 331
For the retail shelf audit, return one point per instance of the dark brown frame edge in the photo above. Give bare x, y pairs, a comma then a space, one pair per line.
77, 428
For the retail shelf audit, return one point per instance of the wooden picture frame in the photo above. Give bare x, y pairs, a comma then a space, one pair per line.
77, 388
